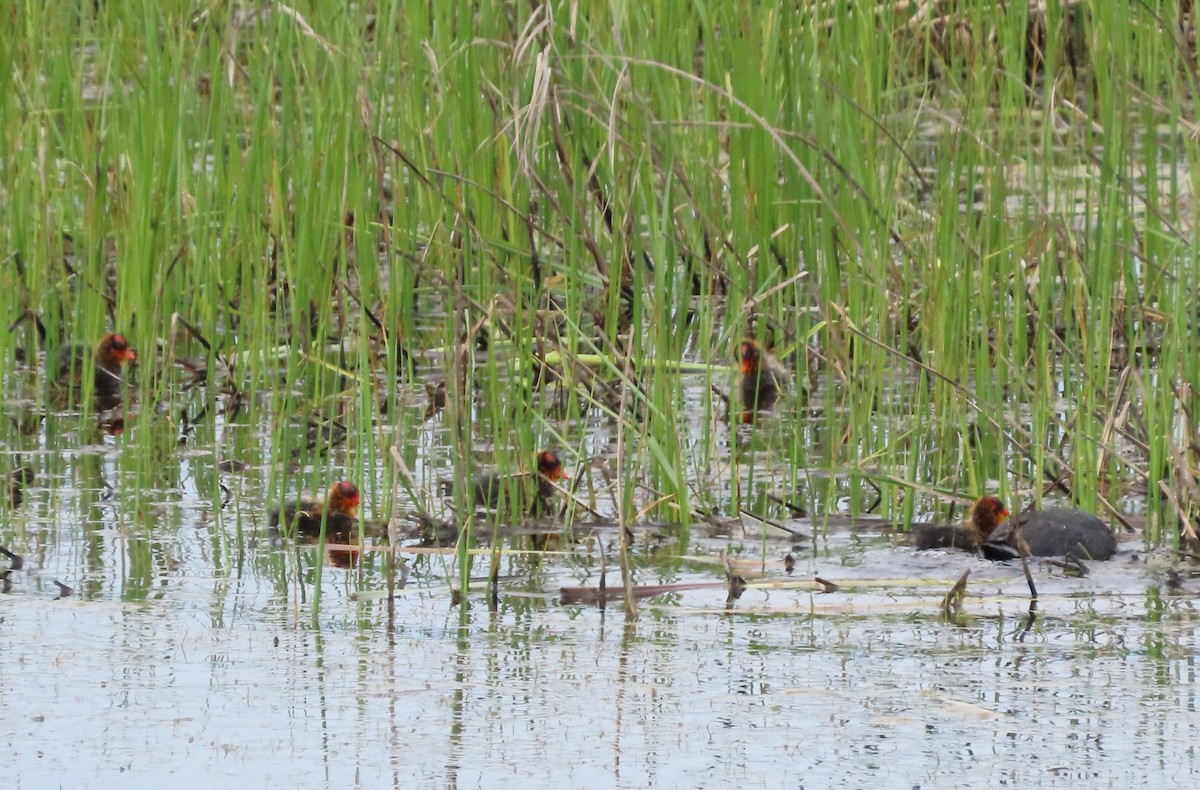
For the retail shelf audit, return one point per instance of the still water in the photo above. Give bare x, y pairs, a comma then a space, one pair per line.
187, 655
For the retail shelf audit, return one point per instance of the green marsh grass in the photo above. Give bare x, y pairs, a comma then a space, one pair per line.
977, 225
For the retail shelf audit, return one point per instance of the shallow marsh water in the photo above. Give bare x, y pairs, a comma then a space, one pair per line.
992, 278
188, 651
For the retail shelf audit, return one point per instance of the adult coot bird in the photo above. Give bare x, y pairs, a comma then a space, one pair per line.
1053, 532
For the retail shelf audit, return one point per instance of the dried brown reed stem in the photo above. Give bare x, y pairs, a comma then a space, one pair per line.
952, 604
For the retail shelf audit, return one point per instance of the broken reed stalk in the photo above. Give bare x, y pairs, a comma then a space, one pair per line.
826, 585
1029, 621
737, 586
952, 604
16, 561
600, 595
1023, 549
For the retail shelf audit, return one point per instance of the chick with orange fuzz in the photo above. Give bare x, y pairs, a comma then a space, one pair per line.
763, 380
487, 486
986, 515
338, 511
111, 354
997, 535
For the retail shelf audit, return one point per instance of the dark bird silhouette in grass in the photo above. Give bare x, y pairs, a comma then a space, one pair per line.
338, 511
763, 380
1053, 532
110, 355
532, 492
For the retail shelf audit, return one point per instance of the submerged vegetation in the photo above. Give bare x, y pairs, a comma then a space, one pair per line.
966, 230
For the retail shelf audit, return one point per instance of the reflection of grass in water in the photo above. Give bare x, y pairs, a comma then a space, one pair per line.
981, 272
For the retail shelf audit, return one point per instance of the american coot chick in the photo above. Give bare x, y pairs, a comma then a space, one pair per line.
1054, 532
111, 352
486, 486
986, 515
339, 511
762, 380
